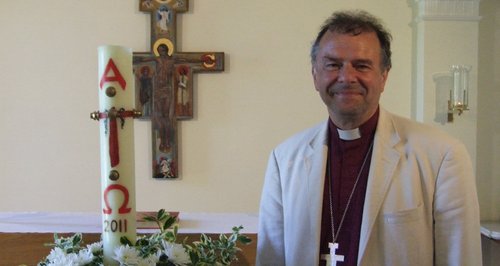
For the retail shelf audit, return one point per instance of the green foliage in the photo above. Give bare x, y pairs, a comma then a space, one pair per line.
206, 251
162, 219
151, 244
220, 251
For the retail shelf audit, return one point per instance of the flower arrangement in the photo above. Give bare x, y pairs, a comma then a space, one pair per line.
159, 248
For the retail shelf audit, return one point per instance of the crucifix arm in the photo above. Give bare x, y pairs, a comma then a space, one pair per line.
201, 61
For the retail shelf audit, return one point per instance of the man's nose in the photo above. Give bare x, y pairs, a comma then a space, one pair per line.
347, 74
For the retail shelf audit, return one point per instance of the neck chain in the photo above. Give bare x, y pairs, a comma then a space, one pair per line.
334, 238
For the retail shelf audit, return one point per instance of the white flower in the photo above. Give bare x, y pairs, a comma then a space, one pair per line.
58, 257
85, 256
56, 254
176, 253
126, 255
95, 247
151, 260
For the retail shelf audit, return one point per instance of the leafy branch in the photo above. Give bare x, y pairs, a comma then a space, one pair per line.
221, 251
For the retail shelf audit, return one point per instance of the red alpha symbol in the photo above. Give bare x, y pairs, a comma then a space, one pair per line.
123, 208
117, 75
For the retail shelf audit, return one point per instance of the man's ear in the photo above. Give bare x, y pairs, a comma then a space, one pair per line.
314, 73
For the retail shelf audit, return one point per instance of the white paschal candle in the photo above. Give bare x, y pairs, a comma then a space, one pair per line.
116, 89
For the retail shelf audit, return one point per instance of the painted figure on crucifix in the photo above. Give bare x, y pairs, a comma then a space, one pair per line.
162, 98
164, 17
183, 97
145, 90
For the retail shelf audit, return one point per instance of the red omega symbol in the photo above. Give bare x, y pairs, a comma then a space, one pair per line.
123, 208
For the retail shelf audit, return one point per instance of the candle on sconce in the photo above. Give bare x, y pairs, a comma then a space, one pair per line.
116, 124
459, 96
457, 86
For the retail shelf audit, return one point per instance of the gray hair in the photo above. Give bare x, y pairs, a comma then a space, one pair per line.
356, 22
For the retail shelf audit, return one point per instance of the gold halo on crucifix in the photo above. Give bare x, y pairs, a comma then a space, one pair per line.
166, 42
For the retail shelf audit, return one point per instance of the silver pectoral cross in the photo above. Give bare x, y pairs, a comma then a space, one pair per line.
332, 258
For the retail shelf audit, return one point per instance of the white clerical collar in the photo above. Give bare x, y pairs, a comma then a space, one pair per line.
350, 134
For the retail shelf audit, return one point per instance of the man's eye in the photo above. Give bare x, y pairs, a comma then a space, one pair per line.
362, 67
332, 66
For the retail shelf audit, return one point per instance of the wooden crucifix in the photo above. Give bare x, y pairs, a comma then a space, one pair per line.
164, 82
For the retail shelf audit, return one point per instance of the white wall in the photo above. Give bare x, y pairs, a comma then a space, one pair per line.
49, 158
488, 130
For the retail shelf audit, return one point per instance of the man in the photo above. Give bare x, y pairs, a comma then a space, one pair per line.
366, 187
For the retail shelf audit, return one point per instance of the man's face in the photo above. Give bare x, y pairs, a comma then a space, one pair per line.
349, 77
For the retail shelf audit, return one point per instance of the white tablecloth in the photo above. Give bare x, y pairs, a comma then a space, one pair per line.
85, 222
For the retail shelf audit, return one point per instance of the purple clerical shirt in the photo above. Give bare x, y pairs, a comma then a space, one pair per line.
345, 158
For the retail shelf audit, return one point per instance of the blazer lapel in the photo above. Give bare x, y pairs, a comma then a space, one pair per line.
385, 158
315, 164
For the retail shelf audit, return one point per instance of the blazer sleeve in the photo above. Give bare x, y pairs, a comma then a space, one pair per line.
456, 211
270, 243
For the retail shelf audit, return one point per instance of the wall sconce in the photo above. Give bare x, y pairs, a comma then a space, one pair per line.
459, 92
452, 93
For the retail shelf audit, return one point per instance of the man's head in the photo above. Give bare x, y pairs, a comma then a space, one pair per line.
355, 23
350, 64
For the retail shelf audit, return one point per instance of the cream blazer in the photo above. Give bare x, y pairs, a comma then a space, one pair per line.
421, 204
